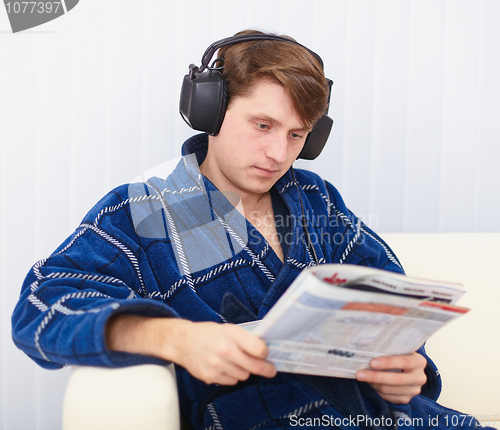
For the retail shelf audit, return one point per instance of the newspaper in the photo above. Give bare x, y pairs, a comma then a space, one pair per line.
334, 319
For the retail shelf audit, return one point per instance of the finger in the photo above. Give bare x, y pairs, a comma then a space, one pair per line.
216, 370
235, 373
252, 344
383, 377
244, 350
403, 362
267, 370
397, 394
254, 353
395, 378
393, 390
256, 366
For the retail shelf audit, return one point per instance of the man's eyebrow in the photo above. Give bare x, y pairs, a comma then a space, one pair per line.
268, 118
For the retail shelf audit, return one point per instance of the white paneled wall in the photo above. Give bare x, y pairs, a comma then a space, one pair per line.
90, 100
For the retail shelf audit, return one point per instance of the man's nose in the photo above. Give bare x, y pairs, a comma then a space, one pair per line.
277, 148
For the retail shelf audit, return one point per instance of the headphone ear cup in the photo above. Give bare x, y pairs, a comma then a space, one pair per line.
316, 139
223, 106
203, 101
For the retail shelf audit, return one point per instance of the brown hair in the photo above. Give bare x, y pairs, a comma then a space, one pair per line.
289, 64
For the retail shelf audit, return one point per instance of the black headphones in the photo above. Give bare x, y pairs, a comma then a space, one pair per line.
203, 100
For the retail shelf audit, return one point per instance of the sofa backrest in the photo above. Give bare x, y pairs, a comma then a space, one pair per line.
467, 351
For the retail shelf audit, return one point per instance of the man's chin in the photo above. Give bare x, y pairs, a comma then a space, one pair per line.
260, 188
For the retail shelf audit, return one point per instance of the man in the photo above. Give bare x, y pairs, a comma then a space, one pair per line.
155, 268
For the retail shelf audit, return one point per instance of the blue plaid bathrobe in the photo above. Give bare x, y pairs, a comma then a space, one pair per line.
176, 247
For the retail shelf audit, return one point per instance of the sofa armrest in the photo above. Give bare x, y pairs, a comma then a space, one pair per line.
138, 397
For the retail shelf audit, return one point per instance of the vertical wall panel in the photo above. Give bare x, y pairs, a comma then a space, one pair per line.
4, 310
460, 89
158, 95
262, 14
487, 178
123, 83
358, 96
389, 115
50, 190
4, 337
424, 117
329, 29
86, 61
17, 88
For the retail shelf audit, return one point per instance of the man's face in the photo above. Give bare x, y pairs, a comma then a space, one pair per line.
260, 138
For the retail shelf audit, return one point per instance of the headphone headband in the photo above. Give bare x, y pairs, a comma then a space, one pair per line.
210, 51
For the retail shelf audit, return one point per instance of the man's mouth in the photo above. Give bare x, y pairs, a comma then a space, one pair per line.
267, 172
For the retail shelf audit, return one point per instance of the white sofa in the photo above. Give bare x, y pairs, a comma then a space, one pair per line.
467, 351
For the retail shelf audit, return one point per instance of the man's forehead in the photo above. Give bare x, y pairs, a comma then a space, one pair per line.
272, 109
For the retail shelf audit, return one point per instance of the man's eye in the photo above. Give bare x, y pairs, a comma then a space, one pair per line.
262, 126
295, 136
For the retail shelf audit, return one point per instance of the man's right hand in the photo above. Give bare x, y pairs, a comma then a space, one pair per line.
214, 353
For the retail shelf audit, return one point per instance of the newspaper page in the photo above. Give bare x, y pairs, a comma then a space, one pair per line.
335, 318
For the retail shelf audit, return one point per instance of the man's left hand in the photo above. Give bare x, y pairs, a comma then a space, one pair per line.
398, 378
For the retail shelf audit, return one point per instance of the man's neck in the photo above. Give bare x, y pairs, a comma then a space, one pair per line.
257, 208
